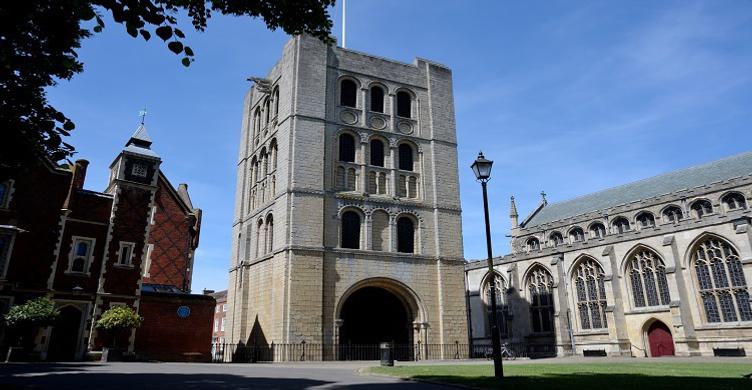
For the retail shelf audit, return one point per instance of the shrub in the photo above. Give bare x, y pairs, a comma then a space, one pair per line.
118, 318
36, 312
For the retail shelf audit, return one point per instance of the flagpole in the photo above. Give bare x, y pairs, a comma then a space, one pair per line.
344, 23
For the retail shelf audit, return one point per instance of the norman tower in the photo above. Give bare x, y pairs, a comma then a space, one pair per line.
347, 218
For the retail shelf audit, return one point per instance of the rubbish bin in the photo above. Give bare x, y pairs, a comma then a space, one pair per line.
387, 359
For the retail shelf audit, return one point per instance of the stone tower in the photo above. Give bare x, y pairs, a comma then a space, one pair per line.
347, 222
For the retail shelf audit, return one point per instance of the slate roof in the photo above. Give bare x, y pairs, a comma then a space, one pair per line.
140, 143
719, 170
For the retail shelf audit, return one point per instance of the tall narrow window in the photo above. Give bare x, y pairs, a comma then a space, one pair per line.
275, 96
405, 235
672, 214
405, 157
81, 254
350, 230
259, 238
647, 276
269, 233
377, 153
589, 281
380, 230
734, 201
347, 93
346, 148
404, 104
126, 253
597, 230
724, 295
646, 220
377, 99
621, 225
267, 111
502, 309
540, 285
702, 207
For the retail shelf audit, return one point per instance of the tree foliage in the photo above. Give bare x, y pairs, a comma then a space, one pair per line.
118, 318
39, 41
36, 312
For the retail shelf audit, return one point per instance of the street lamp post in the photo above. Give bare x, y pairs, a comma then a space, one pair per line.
482, 169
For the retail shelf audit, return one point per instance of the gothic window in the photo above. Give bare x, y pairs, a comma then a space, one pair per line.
577, 235
273, 152
259, 238
673, 214
646, 220
502, 309
380, 230
405, 157
405, 235
81, 254
597, 230
257, 125
269, 246
721, 281
377, 99
556, 239
589, 280
275, 96
533, 244
346, 148
702, 207
540, 285
734, 201
350, 230
404, 104
647, 276
348, 93
621, 225
377, 153
267, 111
254, 171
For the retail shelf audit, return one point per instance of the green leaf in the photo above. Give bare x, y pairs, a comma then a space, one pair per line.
188, 51
179, 33
164, 32
145, 34
186, 62
175, 47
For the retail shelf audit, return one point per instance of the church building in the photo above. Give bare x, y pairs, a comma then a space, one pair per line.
347, 226
657, 267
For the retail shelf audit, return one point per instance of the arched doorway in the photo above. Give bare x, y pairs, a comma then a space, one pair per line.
660, 341
65, 337
372, 315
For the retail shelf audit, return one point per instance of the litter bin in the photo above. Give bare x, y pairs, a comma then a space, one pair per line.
387, 359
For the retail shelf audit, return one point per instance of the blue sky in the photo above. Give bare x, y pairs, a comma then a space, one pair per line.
567, 97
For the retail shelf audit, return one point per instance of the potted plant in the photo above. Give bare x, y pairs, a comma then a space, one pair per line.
25, 320
114, 322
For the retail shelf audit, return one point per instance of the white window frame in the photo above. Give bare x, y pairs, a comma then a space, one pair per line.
147, 262
216, 325
153, 213
131, 247
224, 307
222, 325
5, 257
74, 241
139, 169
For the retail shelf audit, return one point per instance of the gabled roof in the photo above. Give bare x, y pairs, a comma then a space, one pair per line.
140, 143
719, 170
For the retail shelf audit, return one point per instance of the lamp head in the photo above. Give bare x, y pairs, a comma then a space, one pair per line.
482, 168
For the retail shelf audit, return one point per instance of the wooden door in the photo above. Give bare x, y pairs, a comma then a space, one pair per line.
660, 340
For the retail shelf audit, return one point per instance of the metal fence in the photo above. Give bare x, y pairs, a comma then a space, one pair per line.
242, 353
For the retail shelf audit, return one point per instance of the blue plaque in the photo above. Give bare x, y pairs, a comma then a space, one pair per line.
184, 311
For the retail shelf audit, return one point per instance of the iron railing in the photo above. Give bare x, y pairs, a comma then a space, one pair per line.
242, 353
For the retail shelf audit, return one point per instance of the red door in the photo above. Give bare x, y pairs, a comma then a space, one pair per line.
661, 342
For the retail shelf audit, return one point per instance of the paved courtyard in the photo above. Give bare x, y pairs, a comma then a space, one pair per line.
186, 376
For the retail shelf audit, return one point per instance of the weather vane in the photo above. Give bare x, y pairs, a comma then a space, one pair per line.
142, 114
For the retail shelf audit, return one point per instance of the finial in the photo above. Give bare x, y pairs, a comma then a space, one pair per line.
142, 114
513, 208
543, 197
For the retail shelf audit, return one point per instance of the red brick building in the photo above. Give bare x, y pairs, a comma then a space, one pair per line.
220, 314
90, 250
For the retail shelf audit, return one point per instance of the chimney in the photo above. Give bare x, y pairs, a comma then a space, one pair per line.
79, 174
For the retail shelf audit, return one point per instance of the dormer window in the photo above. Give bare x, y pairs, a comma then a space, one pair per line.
139, 170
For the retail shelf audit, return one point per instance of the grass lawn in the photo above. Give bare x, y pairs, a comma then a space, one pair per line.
585, 376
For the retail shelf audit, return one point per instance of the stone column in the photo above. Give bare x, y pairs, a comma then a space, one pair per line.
681, 316
364, 162
561, 313
393, 153
617, 324
364, 107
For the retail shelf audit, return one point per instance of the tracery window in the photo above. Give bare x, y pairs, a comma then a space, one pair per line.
597, 230
350, 230
556, 239
647, 276
405, 235
533, 244
346, 148
702, 207
589, 281
377, 153
502, 309
577, 235
621, 225
734, 201
540, 285
721, 281
646, 220
377, 99
347, 93
673, 214
404, 104
405, 157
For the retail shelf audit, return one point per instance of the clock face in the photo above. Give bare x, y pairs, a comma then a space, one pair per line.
184, 311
